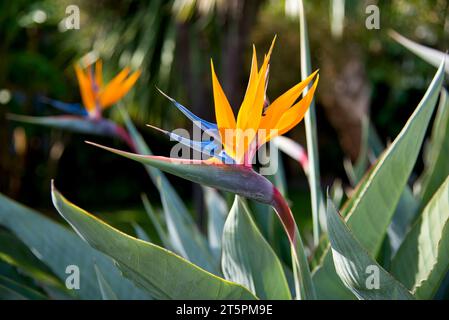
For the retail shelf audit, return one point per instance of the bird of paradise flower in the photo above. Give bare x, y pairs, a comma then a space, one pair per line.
229, 167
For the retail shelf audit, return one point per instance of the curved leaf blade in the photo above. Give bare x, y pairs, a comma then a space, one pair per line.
58, 248
436, 155
422, 261
355, 267
432, 56
247, 257
385, 183
160, 272
311, 131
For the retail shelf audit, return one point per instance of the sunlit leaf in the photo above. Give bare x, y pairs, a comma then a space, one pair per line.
436, 156
375, 202
422, 261
248, 259
58, 247
356, 268
160, 272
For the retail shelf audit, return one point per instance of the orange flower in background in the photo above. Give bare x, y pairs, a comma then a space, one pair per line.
95, 95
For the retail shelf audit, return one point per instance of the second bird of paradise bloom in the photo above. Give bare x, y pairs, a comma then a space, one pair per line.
97, 96
236, 140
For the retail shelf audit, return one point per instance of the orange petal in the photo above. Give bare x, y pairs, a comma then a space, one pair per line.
99, 73
223, 113
275, 110
87, 94
295, 114
250, 112
121, 91
107, 93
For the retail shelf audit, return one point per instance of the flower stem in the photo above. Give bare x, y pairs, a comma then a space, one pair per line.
303, 280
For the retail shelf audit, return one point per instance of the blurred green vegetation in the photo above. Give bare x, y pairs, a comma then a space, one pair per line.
364, 73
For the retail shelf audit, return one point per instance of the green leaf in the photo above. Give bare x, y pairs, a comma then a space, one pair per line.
58, 248
160, 272
217, 210
391, 172
375, 202
106, 291
17, 254
436, 154
183, 234
311, 131
356, 268
432, 56
248, 258
422, 261
402, 220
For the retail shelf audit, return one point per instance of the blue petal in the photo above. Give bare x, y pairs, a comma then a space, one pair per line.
209, 147
210, 127
73, 108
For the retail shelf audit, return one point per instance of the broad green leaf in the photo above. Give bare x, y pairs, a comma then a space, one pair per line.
58, 248
422, 261
217, 210
432, 56
375, 202
183, 234
390, 174
160, 272
106, 291
17, 254
248, 258
407, 206
356, 268
437, 152
311, 131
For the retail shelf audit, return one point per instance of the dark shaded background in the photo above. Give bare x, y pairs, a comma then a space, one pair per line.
363, 73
